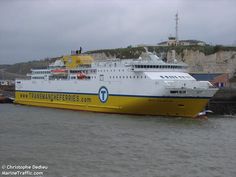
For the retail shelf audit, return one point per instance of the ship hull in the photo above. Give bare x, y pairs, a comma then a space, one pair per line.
121, 104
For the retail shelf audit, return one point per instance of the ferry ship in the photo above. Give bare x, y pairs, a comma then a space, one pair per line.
143, 86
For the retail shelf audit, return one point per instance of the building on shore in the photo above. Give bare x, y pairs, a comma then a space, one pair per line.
7, 82
219, 80
173, 42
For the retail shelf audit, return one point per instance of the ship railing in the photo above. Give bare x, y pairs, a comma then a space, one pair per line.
157, 69
207, 84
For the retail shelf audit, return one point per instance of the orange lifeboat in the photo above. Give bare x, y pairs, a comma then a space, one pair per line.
59, 71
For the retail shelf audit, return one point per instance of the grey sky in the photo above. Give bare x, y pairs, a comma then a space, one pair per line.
36, 29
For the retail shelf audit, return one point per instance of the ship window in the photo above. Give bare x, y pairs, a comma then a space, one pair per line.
127, 77
101, 77
182, 92
137, 77
173, 91
130, 77
123, 77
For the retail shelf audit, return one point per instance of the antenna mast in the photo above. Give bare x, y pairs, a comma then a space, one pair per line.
176, 28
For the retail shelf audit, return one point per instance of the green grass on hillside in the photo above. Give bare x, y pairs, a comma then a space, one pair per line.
129, 52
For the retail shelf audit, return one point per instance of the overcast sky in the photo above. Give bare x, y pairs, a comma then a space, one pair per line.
36, 29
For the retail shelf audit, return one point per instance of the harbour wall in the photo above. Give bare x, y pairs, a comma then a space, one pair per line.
223, 102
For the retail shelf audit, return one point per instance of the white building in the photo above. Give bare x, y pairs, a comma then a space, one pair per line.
172, 42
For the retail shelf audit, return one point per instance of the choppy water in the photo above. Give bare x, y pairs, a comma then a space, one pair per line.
84, 144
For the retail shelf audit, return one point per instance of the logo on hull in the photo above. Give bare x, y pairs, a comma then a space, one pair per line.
103, 94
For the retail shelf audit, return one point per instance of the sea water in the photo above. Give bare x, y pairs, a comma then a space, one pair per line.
64, 143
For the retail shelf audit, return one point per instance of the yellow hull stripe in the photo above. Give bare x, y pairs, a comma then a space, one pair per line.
186, 107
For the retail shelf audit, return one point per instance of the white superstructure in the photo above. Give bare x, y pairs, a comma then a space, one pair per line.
102, 82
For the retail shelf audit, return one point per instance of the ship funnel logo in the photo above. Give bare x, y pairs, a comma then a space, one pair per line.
103, 94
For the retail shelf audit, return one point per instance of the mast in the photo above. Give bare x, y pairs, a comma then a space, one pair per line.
176, 28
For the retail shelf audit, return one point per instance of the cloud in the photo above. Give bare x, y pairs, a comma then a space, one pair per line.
38, 29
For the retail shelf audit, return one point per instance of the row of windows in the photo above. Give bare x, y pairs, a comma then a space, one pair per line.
157, 66
84, 71
119, 77
37, 77
124, 77
41, 72
128, 77
111, 70
175, 77
56, 97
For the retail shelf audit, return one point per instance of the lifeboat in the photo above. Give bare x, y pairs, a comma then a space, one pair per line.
60, 71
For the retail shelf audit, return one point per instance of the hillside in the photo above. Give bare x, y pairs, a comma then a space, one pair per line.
21, 69
211, 59
134, 52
